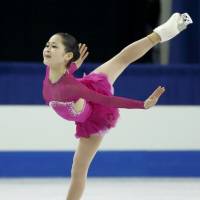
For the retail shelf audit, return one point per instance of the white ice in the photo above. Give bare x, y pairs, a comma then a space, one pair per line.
102, 189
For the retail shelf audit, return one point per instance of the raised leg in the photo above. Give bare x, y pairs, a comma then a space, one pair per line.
83, 156
115, 66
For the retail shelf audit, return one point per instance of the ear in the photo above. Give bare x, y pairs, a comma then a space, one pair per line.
68, 56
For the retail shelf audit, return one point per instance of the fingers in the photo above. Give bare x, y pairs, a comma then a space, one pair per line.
158, 92
83, 49
85, 55
152, 100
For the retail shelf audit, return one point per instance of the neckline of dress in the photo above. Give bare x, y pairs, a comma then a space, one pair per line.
61, 77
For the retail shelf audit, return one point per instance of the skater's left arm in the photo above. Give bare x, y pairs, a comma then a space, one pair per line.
83, 49
83, 55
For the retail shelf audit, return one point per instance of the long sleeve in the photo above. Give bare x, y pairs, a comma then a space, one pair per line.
81, 91
70, 89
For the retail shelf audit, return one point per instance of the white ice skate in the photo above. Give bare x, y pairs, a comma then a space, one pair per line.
175, 24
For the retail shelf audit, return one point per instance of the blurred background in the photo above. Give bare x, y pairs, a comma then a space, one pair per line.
161, 143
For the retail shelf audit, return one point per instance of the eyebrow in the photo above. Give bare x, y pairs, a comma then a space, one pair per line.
52, 42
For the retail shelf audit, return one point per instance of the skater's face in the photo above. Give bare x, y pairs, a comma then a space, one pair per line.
54, 53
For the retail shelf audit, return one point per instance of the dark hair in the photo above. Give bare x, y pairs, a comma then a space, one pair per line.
71, 45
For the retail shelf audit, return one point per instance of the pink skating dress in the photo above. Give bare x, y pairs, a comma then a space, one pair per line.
97, 91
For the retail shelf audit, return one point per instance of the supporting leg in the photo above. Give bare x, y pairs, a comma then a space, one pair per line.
83, 156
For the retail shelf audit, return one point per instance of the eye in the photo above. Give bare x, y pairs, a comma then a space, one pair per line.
54, 46
46, 45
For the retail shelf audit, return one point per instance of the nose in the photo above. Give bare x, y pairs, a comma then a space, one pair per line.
48, 49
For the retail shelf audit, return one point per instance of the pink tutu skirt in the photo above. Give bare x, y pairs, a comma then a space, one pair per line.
102, 117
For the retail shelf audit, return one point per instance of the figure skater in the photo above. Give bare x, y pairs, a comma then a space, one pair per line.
89, 101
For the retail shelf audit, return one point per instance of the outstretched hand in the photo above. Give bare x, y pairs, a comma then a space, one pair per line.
83, 55
153, 98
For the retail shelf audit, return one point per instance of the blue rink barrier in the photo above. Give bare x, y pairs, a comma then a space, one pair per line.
21, 83
106, 163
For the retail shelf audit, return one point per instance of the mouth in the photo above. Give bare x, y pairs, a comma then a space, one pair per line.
47, 56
